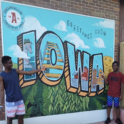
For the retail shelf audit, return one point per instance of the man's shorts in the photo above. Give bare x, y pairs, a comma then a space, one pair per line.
13, 108
111, 99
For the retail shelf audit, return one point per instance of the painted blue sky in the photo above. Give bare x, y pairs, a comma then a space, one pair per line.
93, 35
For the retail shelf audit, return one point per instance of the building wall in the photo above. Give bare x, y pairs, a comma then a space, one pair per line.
98, 8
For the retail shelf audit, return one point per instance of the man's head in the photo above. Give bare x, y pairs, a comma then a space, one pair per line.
115, 66
7, 62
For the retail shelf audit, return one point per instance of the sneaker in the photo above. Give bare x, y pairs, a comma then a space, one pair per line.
118, 121
108, 120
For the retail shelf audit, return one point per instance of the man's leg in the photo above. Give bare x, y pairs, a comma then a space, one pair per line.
109, 105
116, 104
108, 120
118, 116
20, 111
118, 112
20, 119
10, 111
108, 111
9, 120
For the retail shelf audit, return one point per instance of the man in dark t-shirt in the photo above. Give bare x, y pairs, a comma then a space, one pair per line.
115, 81
10, 82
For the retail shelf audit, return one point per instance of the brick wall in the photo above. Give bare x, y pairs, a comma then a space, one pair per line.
99, 8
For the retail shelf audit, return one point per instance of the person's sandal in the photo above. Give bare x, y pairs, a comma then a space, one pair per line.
108, 120
118, 121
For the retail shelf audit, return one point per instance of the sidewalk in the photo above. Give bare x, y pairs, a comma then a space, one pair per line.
113, 122
114, 116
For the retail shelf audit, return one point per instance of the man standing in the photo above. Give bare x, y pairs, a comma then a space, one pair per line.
10, 82
115, 81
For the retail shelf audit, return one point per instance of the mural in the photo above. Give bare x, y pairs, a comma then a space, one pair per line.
76, 50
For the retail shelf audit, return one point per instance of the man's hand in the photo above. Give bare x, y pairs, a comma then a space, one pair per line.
43, 68
103, 75
120, 98
2, 111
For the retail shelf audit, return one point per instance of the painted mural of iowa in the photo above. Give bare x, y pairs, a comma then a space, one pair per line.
61, 60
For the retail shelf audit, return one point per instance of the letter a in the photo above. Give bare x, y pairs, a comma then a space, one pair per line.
13, 17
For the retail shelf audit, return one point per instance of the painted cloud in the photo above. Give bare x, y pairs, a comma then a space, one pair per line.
98, 42
74, 38
61, 26
106, 24
17, 52
31, 23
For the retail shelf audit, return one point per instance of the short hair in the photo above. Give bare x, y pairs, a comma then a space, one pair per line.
115, 62
5, 59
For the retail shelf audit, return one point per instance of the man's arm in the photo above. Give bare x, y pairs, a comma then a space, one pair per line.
30, 72
103, 76
1, 91
122, 86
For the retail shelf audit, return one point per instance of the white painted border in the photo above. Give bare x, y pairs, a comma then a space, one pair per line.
2, 122
114, 43
2, 54
87, 117
71, 118
2, 30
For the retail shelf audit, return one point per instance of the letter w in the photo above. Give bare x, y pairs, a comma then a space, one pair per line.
76, 69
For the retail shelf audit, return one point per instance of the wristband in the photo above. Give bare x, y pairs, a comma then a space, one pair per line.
1, 106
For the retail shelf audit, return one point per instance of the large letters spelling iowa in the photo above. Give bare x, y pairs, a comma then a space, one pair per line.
83, 77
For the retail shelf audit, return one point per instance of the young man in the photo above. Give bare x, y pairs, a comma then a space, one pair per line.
115, 81
10, 82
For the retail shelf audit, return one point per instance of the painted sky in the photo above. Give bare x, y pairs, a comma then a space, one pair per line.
90, 34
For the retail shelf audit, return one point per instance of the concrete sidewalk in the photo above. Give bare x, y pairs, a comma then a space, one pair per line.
114, 117
112, 122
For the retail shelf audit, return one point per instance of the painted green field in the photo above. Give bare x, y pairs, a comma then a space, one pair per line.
41, 100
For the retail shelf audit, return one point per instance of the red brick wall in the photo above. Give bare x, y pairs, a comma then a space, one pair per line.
99, 8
